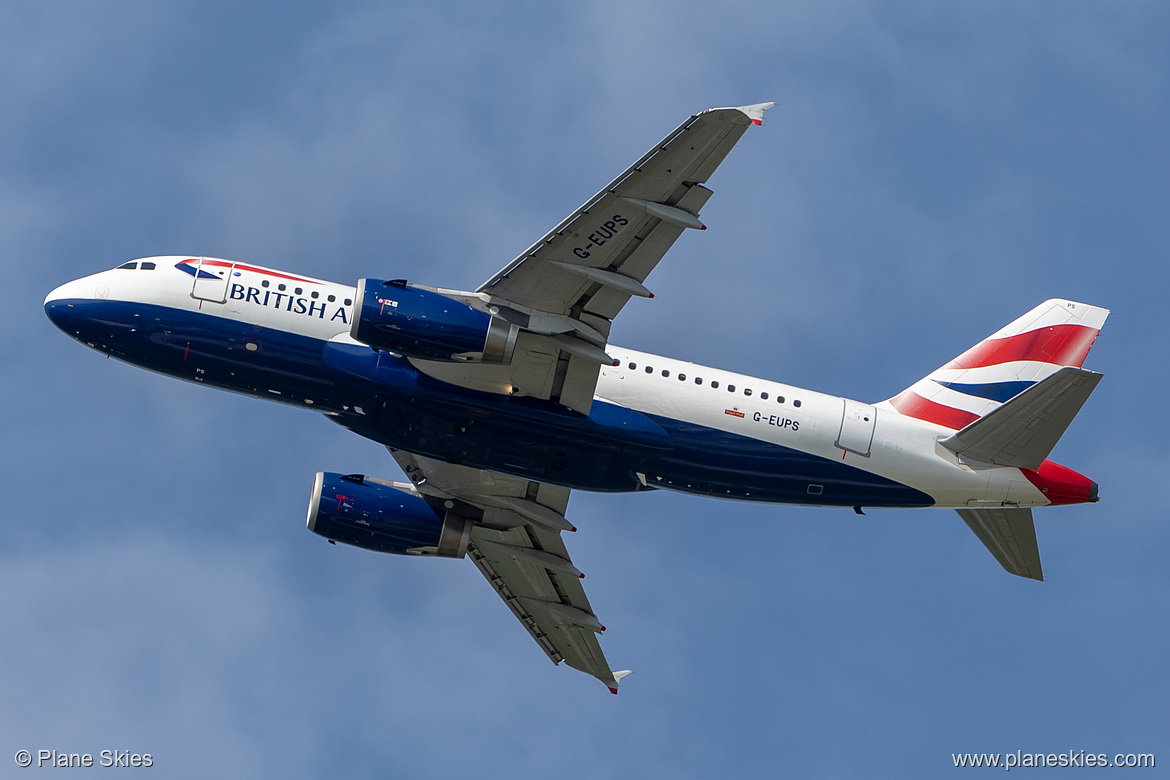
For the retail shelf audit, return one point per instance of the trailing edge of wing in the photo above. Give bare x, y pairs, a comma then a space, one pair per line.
1010, 535
516, 544
1023, 431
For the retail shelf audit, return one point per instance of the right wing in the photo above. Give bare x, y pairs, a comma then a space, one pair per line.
516, 544
564, 291
599, 255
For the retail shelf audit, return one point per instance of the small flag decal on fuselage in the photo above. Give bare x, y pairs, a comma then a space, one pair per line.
733, 412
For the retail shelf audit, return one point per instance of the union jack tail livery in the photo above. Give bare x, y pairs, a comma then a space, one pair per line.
1054, 335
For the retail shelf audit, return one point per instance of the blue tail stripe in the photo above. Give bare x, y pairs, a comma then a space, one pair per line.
992, 391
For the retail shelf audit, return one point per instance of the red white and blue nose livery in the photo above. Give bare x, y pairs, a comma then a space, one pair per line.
497, 402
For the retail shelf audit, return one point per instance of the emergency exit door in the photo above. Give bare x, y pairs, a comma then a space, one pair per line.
211, 280
857, 421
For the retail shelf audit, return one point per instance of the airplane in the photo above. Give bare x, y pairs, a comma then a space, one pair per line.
497, 402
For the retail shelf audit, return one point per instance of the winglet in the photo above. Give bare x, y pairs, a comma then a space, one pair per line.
756, 112
617, 678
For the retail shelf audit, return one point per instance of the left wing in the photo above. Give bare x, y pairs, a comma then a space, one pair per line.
564, 291
516, 544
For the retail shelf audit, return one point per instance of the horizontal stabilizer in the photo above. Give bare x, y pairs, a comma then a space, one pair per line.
1010, 535
1022, 431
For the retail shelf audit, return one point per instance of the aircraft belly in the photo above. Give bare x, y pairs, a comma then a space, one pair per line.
614, 449
207, 349
729, 465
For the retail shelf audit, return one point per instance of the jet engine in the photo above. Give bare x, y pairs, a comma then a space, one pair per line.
389, 517
423, 324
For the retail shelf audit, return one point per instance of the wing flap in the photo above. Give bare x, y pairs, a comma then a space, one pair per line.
517, 546
1022, 432
534, 592
644, 253
1009, 535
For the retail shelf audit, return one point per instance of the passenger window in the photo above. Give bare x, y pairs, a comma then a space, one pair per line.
665, 372
314, 294
348, 301
331, 298
264, 283
764, 396
779, 399
280, 287
796, 404
146, 267
698, 380
127, 266
633, 366
731, 388
747, 391
682, 377
649, 369
715, 383
297, 291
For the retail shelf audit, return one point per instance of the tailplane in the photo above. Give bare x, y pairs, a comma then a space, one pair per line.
1007, 401
1054, 335
1010, 535
1023, 431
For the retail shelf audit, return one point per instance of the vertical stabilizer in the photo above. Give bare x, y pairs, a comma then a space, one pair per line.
1055, 334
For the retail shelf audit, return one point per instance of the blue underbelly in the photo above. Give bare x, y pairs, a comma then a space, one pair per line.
382, 397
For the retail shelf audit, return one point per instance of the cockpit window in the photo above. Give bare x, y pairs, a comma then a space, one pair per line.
147, 267
128, 266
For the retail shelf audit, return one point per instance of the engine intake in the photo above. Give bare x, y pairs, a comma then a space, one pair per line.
424, 324
389, 517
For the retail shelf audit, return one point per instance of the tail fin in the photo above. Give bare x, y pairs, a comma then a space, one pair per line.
1055, 334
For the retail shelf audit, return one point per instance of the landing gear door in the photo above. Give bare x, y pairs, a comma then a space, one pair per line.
211, 280
857, 421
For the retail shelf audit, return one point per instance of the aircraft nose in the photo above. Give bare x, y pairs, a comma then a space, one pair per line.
53, 296
59, 304
78, 288
58, 310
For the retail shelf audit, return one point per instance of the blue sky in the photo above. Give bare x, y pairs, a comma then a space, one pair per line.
930, 172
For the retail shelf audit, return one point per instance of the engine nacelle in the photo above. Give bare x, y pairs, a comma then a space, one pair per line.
424, 324
385, 517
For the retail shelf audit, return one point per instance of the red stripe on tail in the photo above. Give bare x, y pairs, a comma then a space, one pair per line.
913, 405
1063, 345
